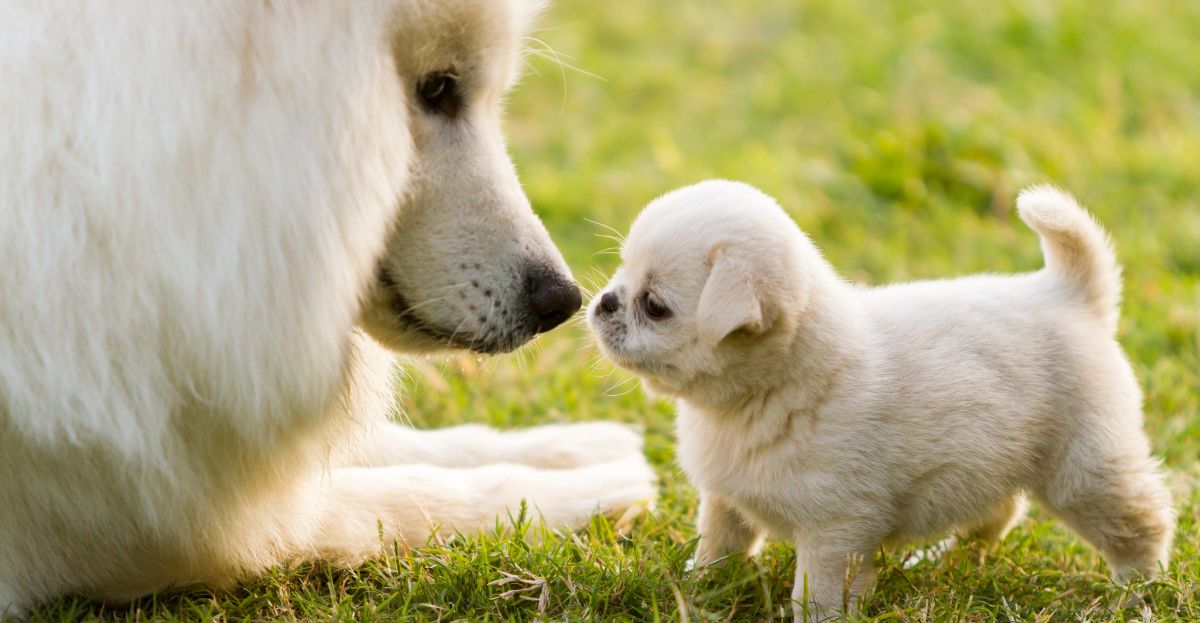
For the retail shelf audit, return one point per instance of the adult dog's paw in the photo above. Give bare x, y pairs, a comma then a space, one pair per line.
563, 446
620, 490
634, 486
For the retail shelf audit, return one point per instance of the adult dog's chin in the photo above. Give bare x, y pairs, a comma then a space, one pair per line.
398, 325
407, 333
419, 339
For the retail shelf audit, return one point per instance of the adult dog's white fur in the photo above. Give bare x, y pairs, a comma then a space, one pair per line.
199, 201
842, 417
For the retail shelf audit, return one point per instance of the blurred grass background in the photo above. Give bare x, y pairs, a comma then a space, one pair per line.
897, 133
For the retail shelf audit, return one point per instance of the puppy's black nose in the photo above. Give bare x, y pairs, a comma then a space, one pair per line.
553, 299
609, 303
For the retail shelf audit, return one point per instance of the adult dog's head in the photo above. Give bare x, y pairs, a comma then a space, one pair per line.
468, 264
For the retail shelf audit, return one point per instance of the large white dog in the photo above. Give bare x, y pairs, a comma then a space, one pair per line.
199, 202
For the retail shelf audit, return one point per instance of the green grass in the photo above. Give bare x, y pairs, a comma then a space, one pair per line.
897, 134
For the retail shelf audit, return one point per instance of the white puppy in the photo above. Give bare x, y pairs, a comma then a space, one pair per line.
842, 417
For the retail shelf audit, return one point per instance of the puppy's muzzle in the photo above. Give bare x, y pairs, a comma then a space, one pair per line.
552, 298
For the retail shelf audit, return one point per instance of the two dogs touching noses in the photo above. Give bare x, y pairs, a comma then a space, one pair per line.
843, 417
219, 217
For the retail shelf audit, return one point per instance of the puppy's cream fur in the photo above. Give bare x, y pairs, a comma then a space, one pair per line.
199, 201
842, 417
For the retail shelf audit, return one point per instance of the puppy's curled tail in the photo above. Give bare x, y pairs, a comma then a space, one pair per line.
1076, 248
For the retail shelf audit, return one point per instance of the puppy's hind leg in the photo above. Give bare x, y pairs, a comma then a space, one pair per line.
995, 526
1115, 498
992, 529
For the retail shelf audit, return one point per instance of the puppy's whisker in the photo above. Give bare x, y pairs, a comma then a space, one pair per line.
596, 279
612, 238
597, 363
530, 37
592, 288
530, 66
616, 234
549, 53
632, 388
594, 357
562, 65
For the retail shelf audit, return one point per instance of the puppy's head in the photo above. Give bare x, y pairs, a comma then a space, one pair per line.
468, 263
704, 298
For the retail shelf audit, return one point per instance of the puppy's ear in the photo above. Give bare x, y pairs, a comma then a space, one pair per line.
729, 301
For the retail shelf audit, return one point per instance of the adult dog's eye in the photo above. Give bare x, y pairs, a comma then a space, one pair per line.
439, 93
654, 309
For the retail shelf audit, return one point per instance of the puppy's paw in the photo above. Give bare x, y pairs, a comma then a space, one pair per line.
564, 446
706, 561
1134, 594
931, 553
703, 566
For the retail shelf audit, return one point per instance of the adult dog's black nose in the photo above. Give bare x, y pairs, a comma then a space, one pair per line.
553, 299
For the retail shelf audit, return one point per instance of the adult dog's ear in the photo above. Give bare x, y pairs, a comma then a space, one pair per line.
729, 301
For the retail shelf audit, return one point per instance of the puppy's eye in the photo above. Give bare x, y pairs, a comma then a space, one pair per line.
439, 93
654, 309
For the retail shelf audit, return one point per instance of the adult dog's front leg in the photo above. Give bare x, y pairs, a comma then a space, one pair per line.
407, 503
368, 400
551, 446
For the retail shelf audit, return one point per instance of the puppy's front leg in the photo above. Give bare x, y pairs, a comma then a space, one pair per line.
831, 577
8, 606
723, 531
360, 510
